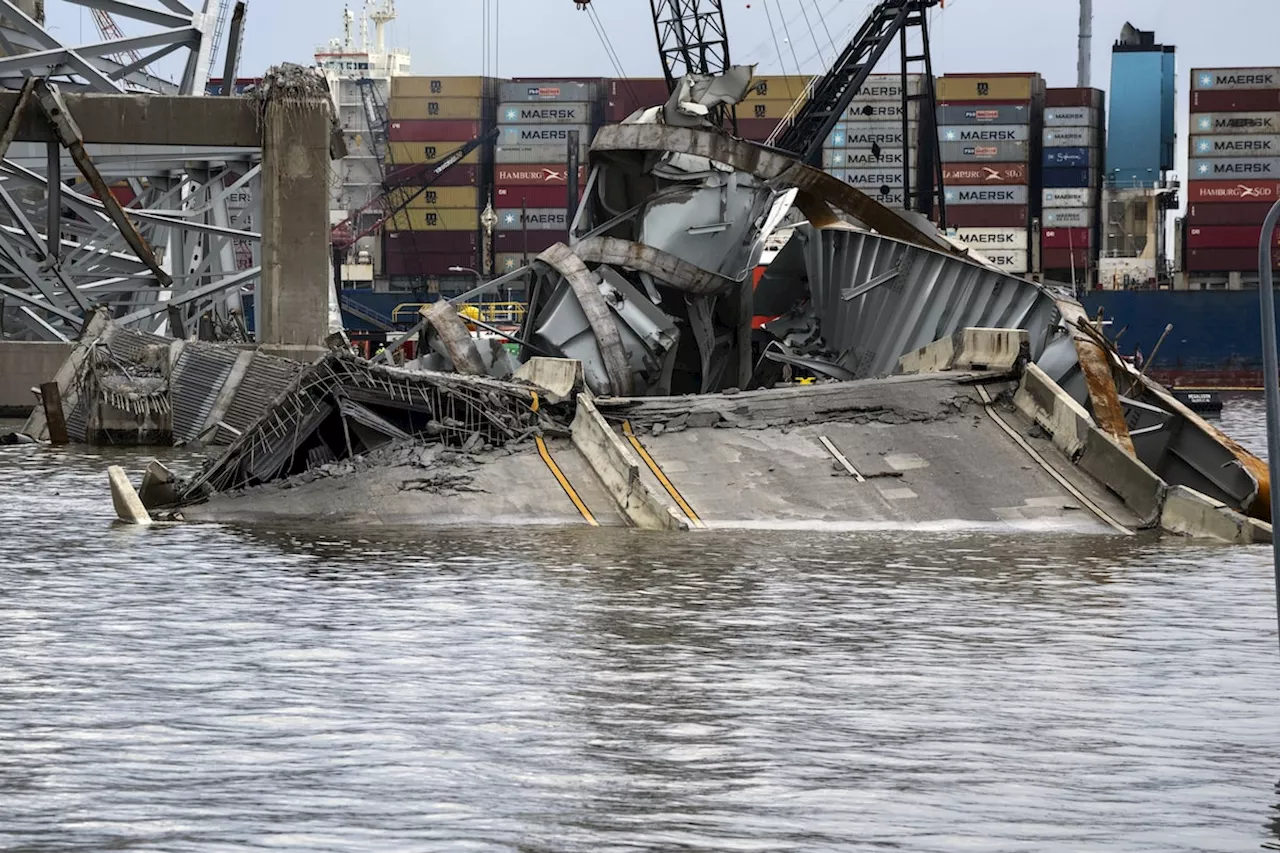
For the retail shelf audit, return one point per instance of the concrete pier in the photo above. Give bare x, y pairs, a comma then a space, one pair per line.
23, 366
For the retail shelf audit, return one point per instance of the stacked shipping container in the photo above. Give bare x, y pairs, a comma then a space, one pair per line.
868, 148
1072, 179
624, 97
990, 129
1234, 167
431, 117
535, 120
767, 104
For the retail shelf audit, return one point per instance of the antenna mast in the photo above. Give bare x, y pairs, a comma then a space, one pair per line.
1084, 75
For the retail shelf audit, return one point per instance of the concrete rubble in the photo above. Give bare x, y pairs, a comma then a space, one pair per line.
655, 385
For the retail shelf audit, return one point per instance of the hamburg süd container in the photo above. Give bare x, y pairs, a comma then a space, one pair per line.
980, 152
1241, 124
1235, 146
1235, 169
999, 114
1008, 195
1007, 239
553, 112
1233, 191
994, 175
535, 175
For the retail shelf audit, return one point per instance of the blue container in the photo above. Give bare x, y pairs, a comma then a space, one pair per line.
1058, 158
1070, 178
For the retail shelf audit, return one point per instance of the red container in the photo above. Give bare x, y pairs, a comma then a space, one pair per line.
512, 197
987, 216
429, 263
1066, 238
513, 241
1074, 98
1225, 260
520, 175
1235, 101
1226, 236
434, 130
1233, 191
413, 176
412, 242
1240, 213
757, 129
964, 174
1065, 259
624, 97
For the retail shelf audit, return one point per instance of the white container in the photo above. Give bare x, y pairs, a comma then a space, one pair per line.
1069, 198
1068, 217
993, 239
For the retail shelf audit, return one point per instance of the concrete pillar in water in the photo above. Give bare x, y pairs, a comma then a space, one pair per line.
293, 315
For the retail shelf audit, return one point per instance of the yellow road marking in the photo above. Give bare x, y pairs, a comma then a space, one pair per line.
662, 477
559, 475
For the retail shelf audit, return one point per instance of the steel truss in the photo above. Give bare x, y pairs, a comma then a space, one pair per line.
60, 253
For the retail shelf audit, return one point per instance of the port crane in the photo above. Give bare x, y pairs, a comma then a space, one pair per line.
693, 39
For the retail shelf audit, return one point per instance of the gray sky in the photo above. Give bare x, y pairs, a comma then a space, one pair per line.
552, 38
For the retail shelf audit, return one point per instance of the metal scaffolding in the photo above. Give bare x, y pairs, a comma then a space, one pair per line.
193, 253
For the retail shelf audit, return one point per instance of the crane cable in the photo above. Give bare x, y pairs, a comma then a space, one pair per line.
611, 53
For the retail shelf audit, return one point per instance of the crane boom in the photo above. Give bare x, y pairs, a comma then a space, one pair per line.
692, 37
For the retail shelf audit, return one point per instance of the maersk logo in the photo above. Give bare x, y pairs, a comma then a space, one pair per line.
951, 136
1206, 81
837, 159
1230, 168
837, 139
980, 195
1209, 81
1205, 123
1204, 146
513, 115
509, 219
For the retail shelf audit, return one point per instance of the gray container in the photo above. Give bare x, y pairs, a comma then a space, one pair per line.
548, 90
1070, 197
1243, 124
542, 134
984, 114
545, 112
862, 158
888, 87
996, 152
1069, 217
863, 136
985, 135
1236, 169
1071, 117
1235, 146
1070, 137
538, 219
880, 111
540, 155
869, 180
987, 195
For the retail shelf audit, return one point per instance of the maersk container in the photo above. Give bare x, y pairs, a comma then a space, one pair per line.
1234, 78
1240, 100
1071, 137
1078, 178
865, 179
542, 134
1240, 213
546, 113
1066, 238
1068, 158
879, 111
888, 87
1227, 236
987, 216
997, 174
1070, 198
980, 152
985, 135
535, 218
1068, 217
509, 154
886, 135
992, 239
1233, 191
1072, 117
1235, 146
956, 114
1012, 261
989, 87
1236, 124
1236, 169
986, 195
548, 90
835, 158
509, 262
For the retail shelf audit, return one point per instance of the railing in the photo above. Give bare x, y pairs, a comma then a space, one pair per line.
364, 312
494, 313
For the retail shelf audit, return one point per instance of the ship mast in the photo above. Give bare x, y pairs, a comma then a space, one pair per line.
1084, 76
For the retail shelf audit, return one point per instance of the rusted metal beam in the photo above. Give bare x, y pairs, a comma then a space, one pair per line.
68, 133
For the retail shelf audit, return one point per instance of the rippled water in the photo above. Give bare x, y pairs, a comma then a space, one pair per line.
207, 688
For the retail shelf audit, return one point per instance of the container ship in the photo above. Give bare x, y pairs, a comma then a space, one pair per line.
1061, 185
